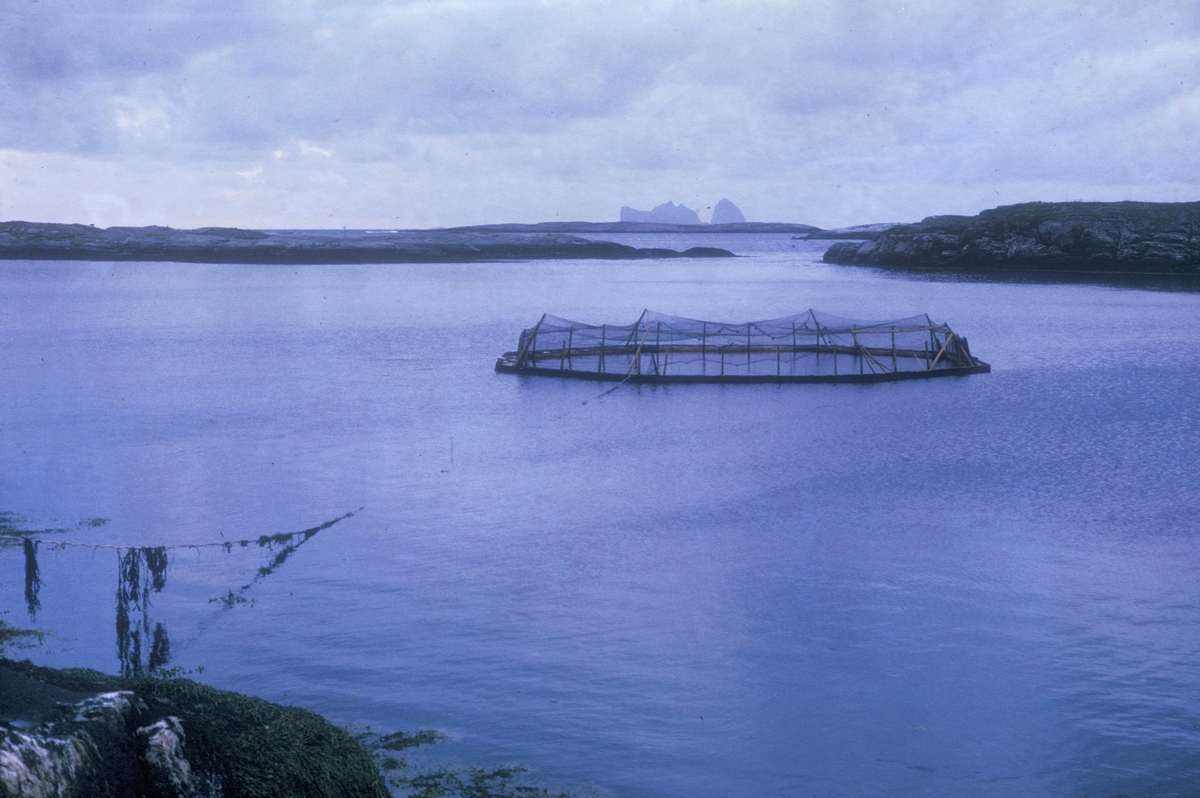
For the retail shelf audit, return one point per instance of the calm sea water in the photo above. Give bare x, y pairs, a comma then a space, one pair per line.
985, 586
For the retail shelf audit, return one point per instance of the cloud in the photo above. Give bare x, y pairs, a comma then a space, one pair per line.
490, 110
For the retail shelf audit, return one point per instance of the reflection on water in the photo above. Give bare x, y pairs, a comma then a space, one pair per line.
140, 572
143, 643
33, 580
288, 544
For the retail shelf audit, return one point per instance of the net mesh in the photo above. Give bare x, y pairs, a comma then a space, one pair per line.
809, 344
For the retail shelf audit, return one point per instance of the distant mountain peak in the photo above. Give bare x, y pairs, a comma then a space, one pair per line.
667, 213
725, 212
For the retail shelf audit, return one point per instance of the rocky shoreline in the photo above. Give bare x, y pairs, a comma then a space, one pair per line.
1140, 238
81, 733
38, 241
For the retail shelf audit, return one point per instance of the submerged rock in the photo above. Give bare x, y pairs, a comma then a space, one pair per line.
1089, 237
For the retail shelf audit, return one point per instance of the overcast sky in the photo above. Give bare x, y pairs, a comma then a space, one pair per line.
414, 114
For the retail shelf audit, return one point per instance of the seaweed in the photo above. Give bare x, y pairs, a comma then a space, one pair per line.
14, 637
33, 578
445, 782
144, 645
476, 783
251, 747
140, 572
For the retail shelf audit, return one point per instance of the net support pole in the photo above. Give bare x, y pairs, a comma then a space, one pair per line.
601, 364
657, 342
794, 348
570, 342
704, 348
941, 351
894, 368
748, 350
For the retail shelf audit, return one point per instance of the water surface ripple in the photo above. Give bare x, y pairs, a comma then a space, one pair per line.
984, 586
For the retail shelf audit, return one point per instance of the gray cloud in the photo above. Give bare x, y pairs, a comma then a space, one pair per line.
828, 111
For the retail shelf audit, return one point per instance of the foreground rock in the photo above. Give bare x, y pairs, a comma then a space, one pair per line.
81, 733
1087, 237
35, 241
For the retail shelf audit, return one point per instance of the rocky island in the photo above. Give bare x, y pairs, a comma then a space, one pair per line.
37, 241
1140, 238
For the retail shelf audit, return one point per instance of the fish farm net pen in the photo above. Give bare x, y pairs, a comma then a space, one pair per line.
807, 347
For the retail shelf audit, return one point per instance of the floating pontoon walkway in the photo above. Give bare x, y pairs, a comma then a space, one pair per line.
807, 347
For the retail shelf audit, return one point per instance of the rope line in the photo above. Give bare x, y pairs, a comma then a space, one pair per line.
262, 540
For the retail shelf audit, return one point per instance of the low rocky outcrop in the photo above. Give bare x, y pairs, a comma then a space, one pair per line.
1085, 237
69, 733
36, 241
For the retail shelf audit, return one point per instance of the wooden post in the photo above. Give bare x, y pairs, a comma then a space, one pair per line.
562, 357
570, 338
657, 342
601, 365
747, 350
722, 361
637, 356
941, 351
704, 349
794, 348
778, 358
894, 368
521, 349
857, 349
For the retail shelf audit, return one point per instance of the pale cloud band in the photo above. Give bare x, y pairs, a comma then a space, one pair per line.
438, 113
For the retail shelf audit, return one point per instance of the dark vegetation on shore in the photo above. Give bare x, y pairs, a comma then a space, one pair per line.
78, 732
1139, 238
235, 746
37, 241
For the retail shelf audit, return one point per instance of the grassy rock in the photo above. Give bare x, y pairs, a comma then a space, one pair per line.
163, 737
1086, 237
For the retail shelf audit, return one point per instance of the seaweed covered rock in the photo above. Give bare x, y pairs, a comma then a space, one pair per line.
1090, 237
82, 733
